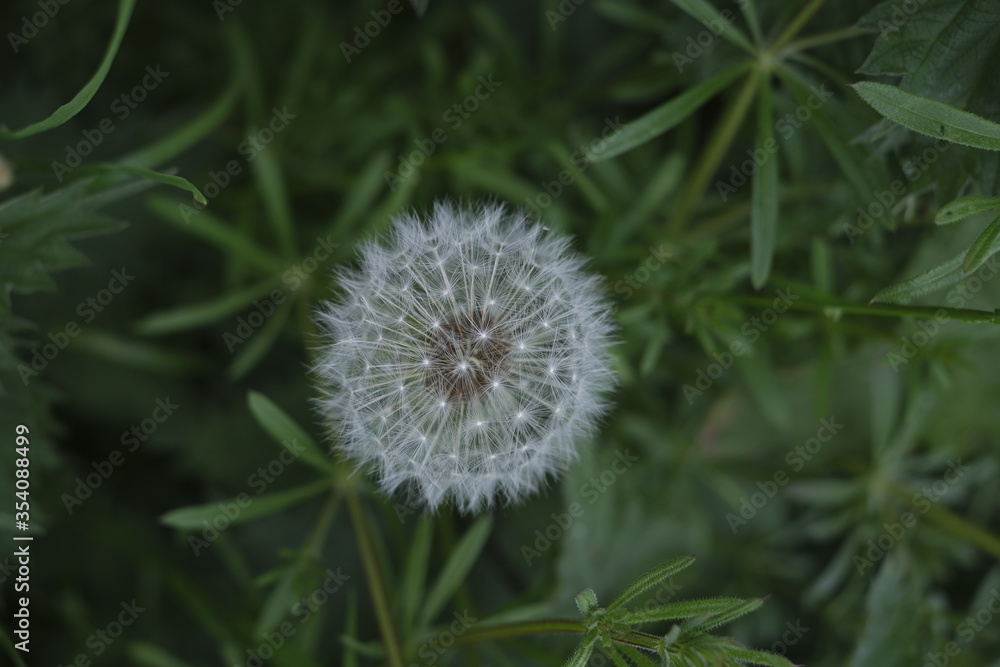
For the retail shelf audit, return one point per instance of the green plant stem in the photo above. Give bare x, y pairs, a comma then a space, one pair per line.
545, 626
504, 630
796, 25
878, 309
719, 143
823, 38
387, 626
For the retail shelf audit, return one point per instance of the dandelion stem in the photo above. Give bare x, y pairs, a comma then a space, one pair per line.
374, 575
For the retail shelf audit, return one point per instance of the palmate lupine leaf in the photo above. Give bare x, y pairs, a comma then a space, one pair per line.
36, 230
685, 643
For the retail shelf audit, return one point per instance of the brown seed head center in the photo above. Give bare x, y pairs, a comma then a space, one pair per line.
468, 354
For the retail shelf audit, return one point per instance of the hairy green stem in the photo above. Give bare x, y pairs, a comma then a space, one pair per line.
879, 309
519, 629
387, 626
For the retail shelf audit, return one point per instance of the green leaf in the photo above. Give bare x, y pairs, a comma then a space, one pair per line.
667, 115
73, 107
150, 175
218, 232
459, 563
253, 350
271, 184
947, 50
888, 638
415, 575
284, 430
362, 194
682, 609
930, 117
710, 16
982, 247
247, 508
964, 207
38, 228
195, 315
764, 202
581, 656
753, 657
937, 278
178, 141
650, 579
721, 618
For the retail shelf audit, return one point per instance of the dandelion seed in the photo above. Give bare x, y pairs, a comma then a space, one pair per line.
500, 314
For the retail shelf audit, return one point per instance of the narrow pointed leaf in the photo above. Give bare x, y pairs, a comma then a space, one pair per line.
415, 575
150, 175
962, 208
937, 278
981, 248
683, 609
218, 232
581, 656
754, 657
650, 579
459, 563
199, 314
716, 620
250, 507
666, 116
930, 117
637, 657
709, 15
764, 202
80, 100
284, 430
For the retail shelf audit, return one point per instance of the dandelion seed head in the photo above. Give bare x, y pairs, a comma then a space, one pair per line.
468, 357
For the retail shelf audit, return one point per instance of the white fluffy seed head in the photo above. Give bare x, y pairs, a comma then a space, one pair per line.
466, 358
